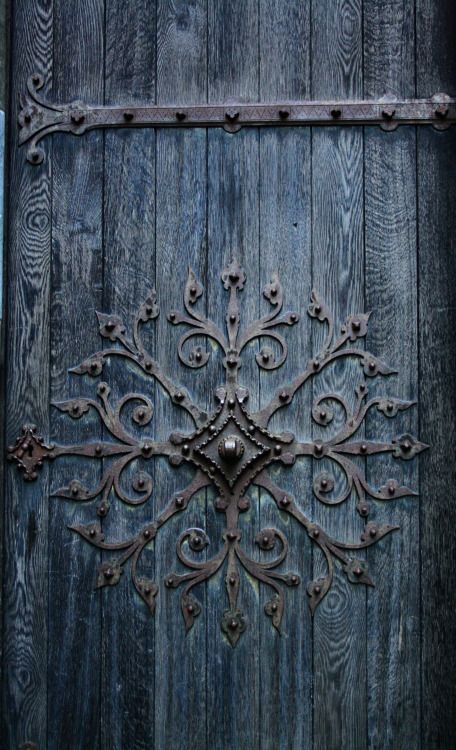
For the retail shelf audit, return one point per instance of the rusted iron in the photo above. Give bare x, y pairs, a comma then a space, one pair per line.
39, 117
230, 449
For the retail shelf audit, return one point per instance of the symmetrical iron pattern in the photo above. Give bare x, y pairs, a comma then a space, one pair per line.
230, 449
39, 118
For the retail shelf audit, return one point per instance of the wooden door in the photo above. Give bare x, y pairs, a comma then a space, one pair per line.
364, 216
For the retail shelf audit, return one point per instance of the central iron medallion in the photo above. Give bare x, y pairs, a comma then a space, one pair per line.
230, 449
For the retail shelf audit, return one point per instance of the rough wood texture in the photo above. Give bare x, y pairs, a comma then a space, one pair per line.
74, 614
393, 623
436, 71
25, 514
391, 279
128, 653
285, 247
343, 211
339, 636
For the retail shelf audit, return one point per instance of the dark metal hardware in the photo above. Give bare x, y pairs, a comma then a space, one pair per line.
230, 449
39, 118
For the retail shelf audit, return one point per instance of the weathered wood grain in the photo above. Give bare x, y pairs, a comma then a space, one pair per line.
128, 654
436, 71
339, 637
74, 662
389, 48
25, 509
232, 232
180, 662
284, 50
285, 246
233, 212
181, 51
233, 67
393, 609
285, 205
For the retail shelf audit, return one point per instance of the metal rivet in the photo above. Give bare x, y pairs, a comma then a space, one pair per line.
407, 446
274, 607
92, 532
324, 484
284, 113
265, 357
179, 396
146, 534
358, 572
285, 501
283, 396
316, 364
336, 113
180, 116
233, 318
293, 317
363, 448
141, 414
231, 116
77, 119
146, 448
128, 116
277, 449
109, 573
265, 540
318, 449
231, 403
190, 608
252, 429
231, 536
371, 366
323, 414
317, 590
179, 503
148, 364
233, 624
316, 533
212, 428
141, 482
231, 361
356, 325
74, 491
442, 111
294, 580
172, 316
185, 449
388, 113
373, 532
391, 488
232, 580
364, 510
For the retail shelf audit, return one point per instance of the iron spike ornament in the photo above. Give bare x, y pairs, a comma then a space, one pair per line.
39, 118
230, 449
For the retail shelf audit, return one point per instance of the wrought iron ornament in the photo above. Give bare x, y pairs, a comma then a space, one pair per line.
39, 117
230, 449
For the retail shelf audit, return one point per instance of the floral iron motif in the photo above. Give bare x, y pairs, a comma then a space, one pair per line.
39, 117
230, 450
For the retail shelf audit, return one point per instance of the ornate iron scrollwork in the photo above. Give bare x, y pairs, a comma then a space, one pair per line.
230, 449
39, 117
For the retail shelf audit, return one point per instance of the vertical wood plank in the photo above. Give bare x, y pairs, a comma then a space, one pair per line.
180, 666
233, 215
74, 662
285, 246
127, 707
338, 274
436, 71
284, 50
393, 612
389, 48
25, 507
180, 669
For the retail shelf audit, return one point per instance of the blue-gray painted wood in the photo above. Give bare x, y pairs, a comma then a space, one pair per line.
366, 217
